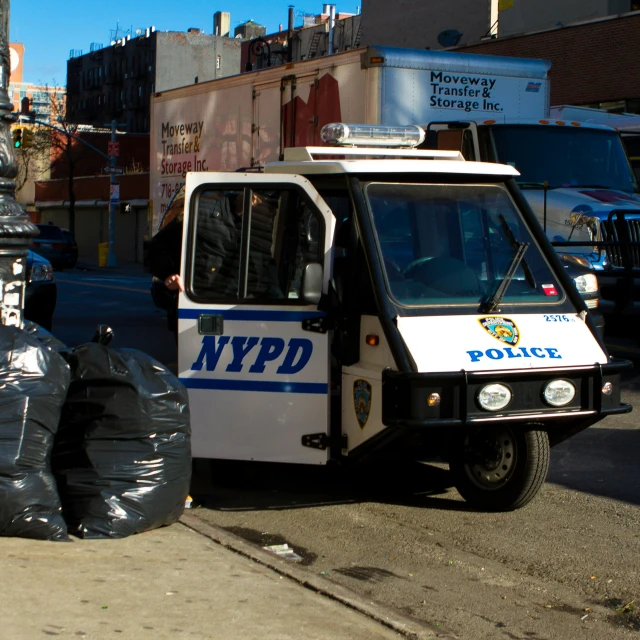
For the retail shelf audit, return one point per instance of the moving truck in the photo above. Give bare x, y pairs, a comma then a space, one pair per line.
574, 175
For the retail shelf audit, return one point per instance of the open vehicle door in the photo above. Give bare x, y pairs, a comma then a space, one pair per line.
255, 260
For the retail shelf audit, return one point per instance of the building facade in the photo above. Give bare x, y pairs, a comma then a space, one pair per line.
313, 39
416, 24
249, 30
115, 82
430, 24
40, 97
91, 193
580, 73
519, 16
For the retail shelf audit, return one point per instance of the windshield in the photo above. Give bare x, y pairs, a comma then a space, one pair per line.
453, 244
564, 157
49, 232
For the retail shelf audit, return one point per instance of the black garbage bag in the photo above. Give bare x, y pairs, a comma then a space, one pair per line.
43, 336
33, 386
122, 457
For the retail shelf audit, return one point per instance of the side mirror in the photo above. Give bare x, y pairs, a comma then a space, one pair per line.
312, 283
103, 334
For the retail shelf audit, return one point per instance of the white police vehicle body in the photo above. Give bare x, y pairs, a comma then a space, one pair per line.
366, 298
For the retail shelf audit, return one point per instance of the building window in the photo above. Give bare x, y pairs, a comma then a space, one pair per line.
218, 60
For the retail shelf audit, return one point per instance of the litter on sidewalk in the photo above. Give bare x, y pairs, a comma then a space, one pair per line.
284, 551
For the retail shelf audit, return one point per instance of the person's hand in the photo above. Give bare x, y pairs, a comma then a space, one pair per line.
174, 282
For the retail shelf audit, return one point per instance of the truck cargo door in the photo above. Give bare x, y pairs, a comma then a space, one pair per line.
265, 126
251, 349
299, 110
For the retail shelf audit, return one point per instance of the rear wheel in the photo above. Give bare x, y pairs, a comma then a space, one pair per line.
500, 468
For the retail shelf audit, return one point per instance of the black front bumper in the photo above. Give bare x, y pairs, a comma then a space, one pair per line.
619, 293
405, 396
40, 302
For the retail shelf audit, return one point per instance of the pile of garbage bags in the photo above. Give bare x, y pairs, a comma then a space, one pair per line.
94, 441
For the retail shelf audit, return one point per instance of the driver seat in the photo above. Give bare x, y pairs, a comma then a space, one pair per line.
448, 275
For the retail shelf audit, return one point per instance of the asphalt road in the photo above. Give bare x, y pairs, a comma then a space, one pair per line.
565, 567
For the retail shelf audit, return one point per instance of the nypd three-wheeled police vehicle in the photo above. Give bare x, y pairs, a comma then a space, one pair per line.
367, 298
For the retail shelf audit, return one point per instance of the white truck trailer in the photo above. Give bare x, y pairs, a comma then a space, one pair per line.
575, 176
247, 120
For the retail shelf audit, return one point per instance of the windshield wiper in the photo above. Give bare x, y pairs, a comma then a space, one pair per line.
493, 303
514, 243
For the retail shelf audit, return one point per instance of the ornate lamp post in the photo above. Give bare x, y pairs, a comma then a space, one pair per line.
16, 231
260, 49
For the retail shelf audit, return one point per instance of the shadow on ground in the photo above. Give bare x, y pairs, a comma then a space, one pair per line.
601, 461
239, 486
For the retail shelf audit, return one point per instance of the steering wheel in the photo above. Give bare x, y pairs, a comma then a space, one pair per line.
413, 264
392, 267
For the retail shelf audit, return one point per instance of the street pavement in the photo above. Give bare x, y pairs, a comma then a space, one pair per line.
567, 566
170, 583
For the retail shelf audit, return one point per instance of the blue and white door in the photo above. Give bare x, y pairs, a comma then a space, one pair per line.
258, 378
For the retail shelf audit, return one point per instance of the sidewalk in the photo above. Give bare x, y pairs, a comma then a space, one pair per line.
169, 583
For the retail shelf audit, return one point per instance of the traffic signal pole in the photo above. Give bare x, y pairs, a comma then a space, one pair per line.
16, 231
114, 191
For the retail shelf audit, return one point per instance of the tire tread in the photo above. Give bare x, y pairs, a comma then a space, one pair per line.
535, 447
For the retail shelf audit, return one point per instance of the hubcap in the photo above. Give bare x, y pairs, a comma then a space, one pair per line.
491, 458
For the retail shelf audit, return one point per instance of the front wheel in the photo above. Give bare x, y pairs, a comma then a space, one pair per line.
500, 468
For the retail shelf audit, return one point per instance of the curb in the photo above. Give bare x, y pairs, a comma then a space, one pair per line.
405, 625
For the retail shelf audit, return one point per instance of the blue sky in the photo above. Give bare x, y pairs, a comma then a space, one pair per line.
50, 30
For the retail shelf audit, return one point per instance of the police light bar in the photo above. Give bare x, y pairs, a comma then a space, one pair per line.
368, 135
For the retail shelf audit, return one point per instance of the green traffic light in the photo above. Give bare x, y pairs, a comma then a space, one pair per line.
17, 138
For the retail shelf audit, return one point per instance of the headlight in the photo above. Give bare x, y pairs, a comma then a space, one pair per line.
494, 397
586, 283
569, 257
559, 392
41, 273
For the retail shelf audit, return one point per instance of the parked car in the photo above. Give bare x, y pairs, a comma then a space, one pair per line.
587, 285
41, 291
59, 249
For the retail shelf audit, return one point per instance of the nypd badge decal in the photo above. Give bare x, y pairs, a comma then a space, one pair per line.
502, 329
362, 401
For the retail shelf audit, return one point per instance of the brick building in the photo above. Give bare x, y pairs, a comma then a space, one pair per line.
308, 41
115, 82
594, 63
40, 97
416, 24
91, 193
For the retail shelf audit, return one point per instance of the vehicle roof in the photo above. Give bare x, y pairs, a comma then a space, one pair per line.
458, 62
620, 121
565, 123
395, 166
